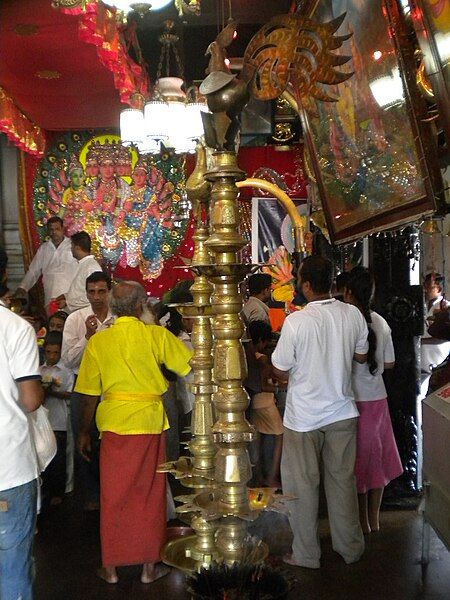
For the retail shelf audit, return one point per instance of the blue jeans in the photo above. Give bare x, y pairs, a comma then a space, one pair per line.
17, 526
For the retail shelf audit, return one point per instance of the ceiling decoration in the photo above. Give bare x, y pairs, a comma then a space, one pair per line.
94, 76
83, 42
99, 26
47, 74
126, 7
26, 29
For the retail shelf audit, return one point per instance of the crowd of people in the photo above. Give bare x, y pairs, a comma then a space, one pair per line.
100, 372
336, 423
317, 401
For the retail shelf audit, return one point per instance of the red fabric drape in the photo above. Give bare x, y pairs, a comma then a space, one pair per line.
21, 131
98, 26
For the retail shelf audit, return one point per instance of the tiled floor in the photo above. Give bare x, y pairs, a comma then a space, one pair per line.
67, 552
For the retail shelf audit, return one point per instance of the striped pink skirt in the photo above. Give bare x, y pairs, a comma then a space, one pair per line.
377, 458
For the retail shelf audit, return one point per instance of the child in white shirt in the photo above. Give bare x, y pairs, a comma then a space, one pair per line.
58, 383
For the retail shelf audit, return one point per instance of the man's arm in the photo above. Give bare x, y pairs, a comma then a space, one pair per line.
31, 393
74, 342
24, 363
88, 405
175, 354
33, 273
362, 344
284, 354
279, 374
360, 358
58, 394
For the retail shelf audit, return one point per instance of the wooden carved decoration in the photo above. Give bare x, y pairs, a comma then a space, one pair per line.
294, 49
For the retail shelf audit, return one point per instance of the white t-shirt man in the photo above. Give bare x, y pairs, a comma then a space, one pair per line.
57, 267
74, 336
366, 386
76, 296
316, 346
19, 361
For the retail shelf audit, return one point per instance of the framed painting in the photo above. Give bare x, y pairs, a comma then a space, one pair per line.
431, 20
366, 151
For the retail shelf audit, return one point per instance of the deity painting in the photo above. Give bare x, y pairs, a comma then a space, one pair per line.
75, 204
124, 201
363, 146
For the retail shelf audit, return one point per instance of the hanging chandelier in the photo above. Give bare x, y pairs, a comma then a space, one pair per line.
127, 6
171, 116
184, 7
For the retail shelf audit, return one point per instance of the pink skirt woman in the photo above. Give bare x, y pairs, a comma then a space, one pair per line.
377, 458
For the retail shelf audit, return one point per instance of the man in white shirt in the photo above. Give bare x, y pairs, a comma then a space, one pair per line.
316, 348
82, 324
259, 289
20, 392
54, 261
432, 350
76, 296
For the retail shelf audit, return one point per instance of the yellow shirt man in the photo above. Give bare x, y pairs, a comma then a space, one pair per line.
123, 365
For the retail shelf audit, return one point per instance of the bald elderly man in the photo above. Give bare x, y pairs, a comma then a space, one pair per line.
122, 367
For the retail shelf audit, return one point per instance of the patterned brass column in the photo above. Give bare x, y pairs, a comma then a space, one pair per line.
232, 431
197, 471
202, 446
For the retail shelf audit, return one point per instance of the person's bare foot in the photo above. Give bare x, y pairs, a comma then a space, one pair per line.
289, 559
108, 574
151, 572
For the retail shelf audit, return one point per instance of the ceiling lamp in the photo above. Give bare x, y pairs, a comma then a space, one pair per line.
184, 7
170, 116
127, 6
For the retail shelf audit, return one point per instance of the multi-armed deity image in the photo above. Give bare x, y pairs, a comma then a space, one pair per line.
127, 204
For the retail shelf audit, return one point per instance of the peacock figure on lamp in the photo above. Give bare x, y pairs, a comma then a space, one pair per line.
289, 53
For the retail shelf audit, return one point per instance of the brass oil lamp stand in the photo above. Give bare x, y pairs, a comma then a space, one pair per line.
219, 468
197, 471
223, 504
232, 432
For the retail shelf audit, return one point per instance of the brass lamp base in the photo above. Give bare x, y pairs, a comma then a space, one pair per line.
176, 554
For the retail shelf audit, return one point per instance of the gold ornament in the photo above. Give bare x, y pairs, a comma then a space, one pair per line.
283, 132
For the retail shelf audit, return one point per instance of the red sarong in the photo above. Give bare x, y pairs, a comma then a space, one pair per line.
133, 498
